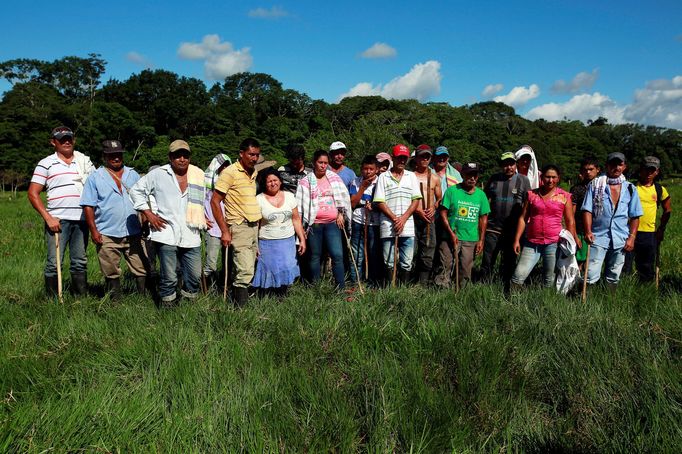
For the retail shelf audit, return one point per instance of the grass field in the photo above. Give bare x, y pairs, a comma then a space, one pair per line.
396, 370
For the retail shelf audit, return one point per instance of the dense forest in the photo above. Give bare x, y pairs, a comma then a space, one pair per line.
154, 107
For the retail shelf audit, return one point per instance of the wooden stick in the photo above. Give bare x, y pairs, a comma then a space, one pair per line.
428, 205
395, 259
226, 269
355, 264
456, 269
587, 264
658, 263
59, 268
365, 245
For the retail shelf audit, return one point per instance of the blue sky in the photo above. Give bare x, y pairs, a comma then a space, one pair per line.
548, 59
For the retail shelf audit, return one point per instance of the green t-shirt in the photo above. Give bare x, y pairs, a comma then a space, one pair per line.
464, 209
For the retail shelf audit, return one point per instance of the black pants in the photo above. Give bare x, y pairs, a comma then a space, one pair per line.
643, 256
494, 244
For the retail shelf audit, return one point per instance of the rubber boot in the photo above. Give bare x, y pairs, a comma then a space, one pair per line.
403, 276
79, 284
141, 284
51, 285
424, 278
241, 296
114, 288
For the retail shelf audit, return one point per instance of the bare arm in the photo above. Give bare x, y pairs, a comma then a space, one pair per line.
520, 227
34, 190
587, 224
89, 213
633, 225
665, 217
482, 226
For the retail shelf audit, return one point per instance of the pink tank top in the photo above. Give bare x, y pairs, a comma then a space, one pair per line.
545, 215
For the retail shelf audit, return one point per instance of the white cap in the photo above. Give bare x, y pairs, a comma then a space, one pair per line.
337, 146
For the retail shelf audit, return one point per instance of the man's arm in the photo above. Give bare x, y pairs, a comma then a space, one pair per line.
34, 190
89, 213
482, 226
665, 217
633, 225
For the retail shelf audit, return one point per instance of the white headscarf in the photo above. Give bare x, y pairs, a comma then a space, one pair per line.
533, 170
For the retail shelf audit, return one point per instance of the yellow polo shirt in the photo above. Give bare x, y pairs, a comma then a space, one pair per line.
240, 194
647, 195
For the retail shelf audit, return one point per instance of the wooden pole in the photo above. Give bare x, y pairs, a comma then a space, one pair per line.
226, 269
365, 244
428, 205
658, 263
59, 268
456, 269
355, 264
587, 265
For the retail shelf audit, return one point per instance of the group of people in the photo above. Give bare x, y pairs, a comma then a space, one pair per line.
410, 216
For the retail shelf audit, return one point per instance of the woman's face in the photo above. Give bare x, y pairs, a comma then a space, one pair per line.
272, 184
550, 179
321, 165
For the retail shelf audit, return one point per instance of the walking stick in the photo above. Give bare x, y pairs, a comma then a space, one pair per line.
428, 205
587, 265
365, 245
204, 287
395, 259
355, 264
658, 263
226, 269
456, 269
59, 268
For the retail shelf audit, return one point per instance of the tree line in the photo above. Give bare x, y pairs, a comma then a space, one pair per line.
150, 109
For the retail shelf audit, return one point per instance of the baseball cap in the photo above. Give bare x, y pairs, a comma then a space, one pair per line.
470, 167
652, 161
506, 156
615, 156
401, 150
381, 157
112, 146
442, 151
423, 149
178, 145
61, 131
337, 146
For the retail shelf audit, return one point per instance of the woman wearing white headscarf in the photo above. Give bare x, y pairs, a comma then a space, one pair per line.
527, 164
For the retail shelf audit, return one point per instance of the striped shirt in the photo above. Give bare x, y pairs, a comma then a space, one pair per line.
240, 194
64, 185
397, 195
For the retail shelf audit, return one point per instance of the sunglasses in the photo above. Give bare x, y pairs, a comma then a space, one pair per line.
179, 154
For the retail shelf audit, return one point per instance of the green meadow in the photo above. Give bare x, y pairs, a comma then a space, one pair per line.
407, 369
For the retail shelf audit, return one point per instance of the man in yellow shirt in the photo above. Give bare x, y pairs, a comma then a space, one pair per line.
651, 194
236, 188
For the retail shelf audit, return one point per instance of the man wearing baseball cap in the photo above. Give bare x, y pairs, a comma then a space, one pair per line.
506, 193
425, 214
397, 197
649, 237
337, 156
63, 175
611, 212
176, 221
112, 220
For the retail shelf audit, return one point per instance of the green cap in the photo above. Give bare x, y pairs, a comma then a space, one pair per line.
506, 156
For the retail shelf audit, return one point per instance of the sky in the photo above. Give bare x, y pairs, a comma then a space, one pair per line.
548, 59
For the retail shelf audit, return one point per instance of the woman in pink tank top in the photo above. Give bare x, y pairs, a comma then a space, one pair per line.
542, 216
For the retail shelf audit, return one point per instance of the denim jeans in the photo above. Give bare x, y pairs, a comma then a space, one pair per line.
530, 254
614, 258
405, 252
357, 241
75, 234
329, 236
213, 249
190, 266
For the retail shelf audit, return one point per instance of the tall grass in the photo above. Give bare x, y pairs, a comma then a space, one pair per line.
396, 370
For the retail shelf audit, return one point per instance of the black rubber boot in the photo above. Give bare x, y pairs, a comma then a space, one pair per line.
51, 285
114, 288
141, 284
79, 284
425, 278
403, 276
241, 296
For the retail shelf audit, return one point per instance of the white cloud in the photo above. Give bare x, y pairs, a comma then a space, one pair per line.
273, 13
379, 50
519, 96
139, 59
421, 82
658, 103
220, 58
492, 89
582, 81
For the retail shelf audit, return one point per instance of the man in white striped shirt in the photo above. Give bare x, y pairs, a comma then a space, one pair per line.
63, 175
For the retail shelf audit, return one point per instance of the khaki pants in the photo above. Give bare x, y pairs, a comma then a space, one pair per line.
244, 248
111, 250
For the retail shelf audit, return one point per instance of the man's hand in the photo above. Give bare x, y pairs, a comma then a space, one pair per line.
660, 234
398, 225
578, 243
454, 239
429, 212
53, 224
96, 236
226, 239
155, 222
517, 247
629, 244
479, 247
301, 247
589, 237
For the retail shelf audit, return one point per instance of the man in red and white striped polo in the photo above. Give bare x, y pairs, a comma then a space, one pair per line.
63, 175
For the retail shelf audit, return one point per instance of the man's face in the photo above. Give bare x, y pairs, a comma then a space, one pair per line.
647, 175
422, 160
399, 163
249, 157
524, 163
337, 157
440, 161
469, 180
64, 145
509, 168
296, 163
615, 168
113, 161
179, 160
368, 171
383, 167
589, 172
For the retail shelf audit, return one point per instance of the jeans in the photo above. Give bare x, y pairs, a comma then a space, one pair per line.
213, 248
405, 252
190, 266
614, 258
75, 234
357, 241
530, 254
644, 256
329, 236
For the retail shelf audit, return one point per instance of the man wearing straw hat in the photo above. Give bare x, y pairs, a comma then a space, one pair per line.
63, 175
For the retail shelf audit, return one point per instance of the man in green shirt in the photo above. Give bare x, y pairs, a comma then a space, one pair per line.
464, 214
